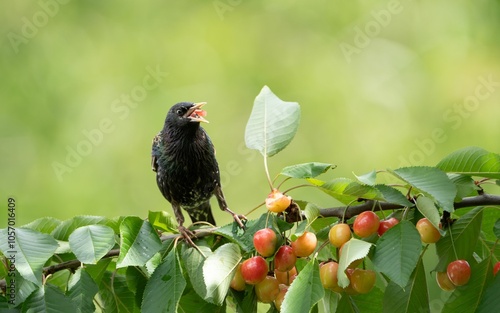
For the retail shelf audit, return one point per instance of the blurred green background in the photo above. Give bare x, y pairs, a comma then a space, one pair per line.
86, 85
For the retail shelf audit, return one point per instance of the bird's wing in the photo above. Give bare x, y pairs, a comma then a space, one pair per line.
155, 152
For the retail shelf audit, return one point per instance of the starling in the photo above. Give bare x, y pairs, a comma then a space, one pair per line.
187, 172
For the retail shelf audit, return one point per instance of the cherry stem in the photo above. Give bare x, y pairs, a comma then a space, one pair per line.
267, 173
453, 244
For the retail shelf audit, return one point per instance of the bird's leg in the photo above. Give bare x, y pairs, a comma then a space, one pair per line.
185, 233
223, 206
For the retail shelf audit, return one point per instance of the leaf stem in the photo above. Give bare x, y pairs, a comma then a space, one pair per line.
267, 173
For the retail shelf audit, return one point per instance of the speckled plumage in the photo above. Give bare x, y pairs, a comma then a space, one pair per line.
187, 172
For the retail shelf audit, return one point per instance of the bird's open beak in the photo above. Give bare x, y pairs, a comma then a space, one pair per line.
196, 114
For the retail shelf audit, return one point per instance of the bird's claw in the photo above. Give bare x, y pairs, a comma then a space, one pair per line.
187, 235
238, 219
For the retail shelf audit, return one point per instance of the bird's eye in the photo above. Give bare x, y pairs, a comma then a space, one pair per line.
179, 112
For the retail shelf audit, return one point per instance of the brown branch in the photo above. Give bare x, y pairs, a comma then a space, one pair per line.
483, 199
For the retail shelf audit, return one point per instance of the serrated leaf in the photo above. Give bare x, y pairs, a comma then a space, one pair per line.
466, 298
311, 212
489, 303
81, 291
90, 243
245, 301
397, 252
465, 186
162, 220
496, 228
412, 298
306, 170
191, 302
369, 302
30, 250
272, 123
392, 195
65, 229
347, 305
465, 233
305, 291
137, 279
167, 283
115, 295
48, 299
368, 178
472, 161
139, 242
432, 182
336, 188
218, 270
329, 301
44, 225
490, 217
97, 271
428, 209
352, 250
193, 261
23, 288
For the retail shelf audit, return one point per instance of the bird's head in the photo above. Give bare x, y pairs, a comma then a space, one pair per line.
186, 114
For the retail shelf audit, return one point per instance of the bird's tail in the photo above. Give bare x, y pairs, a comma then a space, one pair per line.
202, 213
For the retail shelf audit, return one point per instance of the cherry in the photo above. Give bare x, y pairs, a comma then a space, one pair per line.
277, 202
267, 290
428, 233
285, 259
238, 283
265, 241
254, 270
328, 276
339, 234
496, 268
305, 245
281, 296
286, 278
458, 272
444, 282
366, 224
362, 281
386, 224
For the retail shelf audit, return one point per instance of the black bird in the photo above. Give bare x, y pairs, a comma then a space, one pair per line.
187, 172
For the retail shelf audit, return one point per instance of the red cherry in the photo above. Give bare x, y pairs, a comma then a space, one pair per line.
459, 272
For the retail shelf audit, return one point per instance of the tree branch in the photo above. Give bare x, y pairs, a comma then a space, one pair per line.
483, 199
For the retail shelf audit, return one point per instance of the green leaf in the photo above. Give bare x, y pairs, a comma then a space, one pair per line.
65, 229
411, 298
489, 303
97, 271
368, 178
430, 181
24, 288
30, 250
218, 270
305, 291
352, 250
193, 263
466, 298
392, 195
81, 291
330, 301
347, 305
311, 212
370, 302
465, 186
428, 209
397, 252
137, 279
139, 242
465, 233
346, 190
245, 301
496, 228
165, 287
162, 220
115, 295
272, 123
306, 170
44, 225
90, 243
473, 161
48, 299
191, 302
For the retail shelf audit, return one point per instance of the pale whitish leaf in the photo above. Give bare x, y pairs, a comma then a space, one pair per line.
305, 291
90, 243
432, 182
65, 229
218, 270
48, 298
428, 209
30, 250
466, 299
272, 123
139, 242
306, 170
81, 290
165, 287
44, 225
464, 233
465, 186
352, 250
194, 261
397, 252
472, 161
329, 301
412, 298
368, 178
